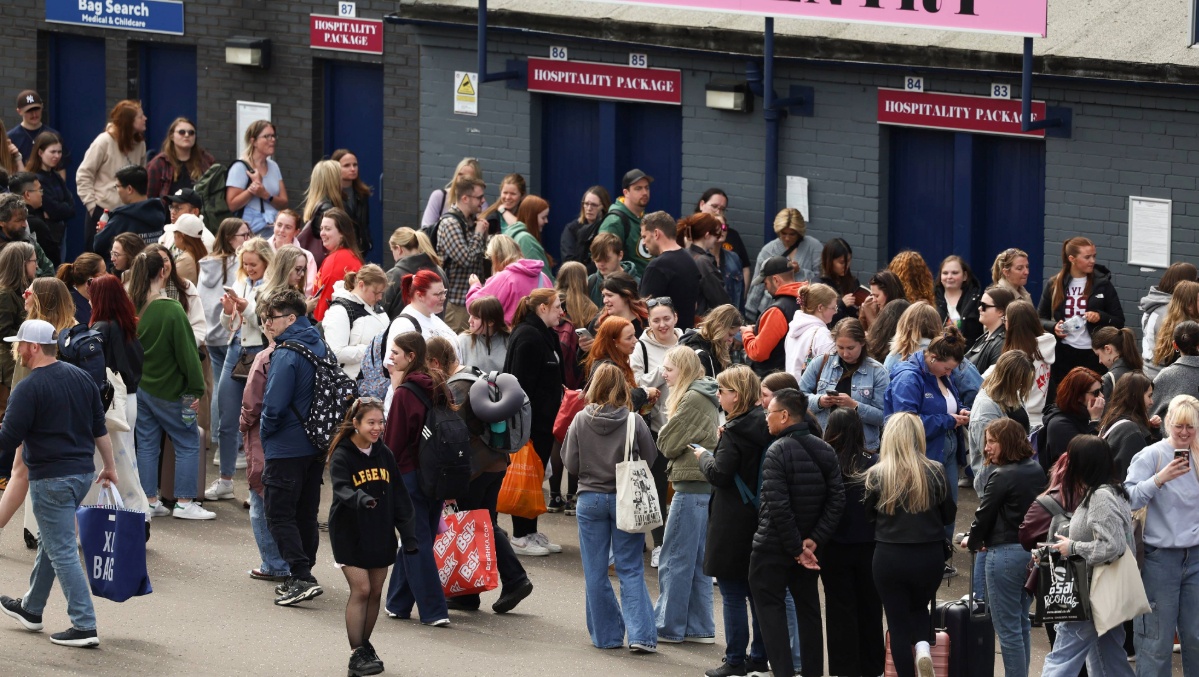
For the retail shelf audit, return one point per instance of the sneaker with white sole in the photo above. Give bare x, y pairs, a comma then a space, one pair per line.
655, 556
216, 457
528, 546
924, 660
544, 541
240, 463
192, 511
12, 607
157, 509
76, 637
219, 489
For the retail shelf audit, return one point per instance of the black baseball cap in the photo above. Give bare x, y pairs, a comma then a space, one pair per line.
28, 99
633, 176
186, 195
775, 265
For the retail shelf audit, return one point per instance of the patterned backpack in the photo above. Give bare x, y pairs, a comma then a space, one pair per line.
332, 394
373, 379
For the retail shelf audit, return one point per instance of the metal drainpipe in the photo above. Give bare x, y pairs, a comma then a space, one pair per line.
771, 115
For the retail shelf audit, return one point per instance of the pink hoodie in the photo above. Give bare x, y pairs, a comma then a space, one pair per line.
511, 285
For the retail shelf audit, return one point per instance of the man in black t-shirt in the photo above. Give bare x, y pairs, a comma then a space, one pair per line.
29, 107
672, 272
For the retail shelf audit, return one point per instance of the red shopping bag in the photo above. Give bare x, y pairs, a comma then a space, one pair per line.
465, 554
572, 403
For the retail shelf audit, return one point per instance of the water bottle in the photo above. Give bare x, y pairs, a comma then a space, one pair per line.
189, 415
102, 222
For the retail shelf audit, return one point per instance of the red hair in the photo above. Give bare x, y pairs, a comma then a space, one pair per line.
1071, 391
527, 212
604, 349
122, 118
696, 227
111, 303
420, 282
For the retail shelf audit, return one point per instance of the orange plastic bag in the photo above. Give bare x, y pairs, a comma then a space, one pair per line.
521, 494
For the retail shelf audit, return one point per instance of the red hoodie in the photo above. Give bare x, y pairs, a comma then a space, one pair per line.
772, 327
404, 423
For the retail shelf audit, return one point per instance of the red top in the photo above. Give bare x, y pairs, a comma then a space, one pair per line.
333, 269
405, 421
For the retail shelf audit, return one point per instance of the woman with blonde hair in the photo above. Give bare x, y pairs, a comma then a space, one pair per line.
122, 143
352, 320
712, 339
1002, 395
323, 194
572, 284
684, 608
594, 444
914, 274
1010, 271
808, 336
442, 199
918, 325
793, 243
180, 162
255, 183
908, 498
413, 252
1183, 306
513, 276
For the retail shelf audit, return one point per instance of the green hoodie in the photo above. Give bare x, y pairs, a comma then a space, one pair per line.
623, 223
530, 247
694, 422
595, 282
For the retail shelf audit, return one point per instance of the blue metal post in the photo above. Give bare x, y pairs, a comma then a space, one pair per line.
1025, 87
771, 179
484, 76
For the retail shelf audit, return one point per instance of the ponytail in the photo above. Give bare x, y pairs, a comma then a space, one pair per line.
530, 303
1070, 248
420, 282
85, 267
815, 295
1125, 343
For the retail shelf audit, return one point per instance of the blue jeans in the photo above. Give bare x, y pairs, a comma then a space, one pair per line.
229, 392
1171, 577
217, 354
415, 580
734, 594
1077, 645
684, 606
1006, 570
154, 417
607, 620
272, 562
54, 501
979, 578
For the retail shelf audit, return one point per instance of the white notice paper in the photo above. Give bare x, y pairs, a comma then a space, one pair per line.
797, 195
247, 112
1149, 231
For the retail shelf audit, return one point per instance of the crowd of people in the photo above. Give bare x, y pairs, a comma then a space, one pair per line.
801, 428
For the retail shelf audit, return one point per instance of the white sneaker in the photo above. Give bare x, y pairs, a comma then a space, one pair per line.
192, 511
653, 558
544, 541
219, 489
528, 546
240, 464
924, 660
216, 457
157, 509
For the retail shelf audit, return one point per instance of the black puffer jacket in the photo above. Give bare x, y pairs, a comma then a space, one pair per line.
1102, 300
535, 359
1010, 489
732, 521
967, 307
802, 494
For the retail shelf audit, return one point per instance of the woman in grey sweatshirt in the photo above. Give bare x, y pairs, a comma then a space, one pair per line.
1181, 377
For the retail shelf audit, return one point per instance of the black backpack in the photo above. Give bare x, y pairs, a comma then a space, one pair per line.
431, 231
211, 189
83, 347
332, 394
444, 456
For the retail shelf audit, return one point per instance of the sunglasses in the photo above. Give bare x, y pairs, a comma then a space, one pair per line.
660, 301
986, 306
185, 132
1095, 393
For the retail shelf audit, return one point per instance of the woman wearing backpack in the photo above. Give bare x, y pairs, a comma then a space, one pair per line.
353, 319
415, 580
254, 186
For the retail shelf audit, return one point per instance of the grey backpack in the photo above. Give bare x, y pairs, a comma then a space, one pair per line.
498, 401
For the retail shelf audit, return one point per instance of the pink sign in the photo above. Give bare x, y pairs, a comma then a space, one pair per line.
1009, 17
956, 112
606, 81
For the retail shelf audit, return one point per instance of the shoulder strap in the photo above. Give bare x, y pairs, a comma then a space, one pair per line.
1051, 505
644, 354
1115, 425
629, 429
420, 395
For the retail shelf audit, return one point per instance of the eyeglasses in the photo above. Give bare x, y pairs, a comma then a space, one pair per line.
244, 234
474, 197
35, 190
774, 411
269, 137
272, 318
594, 205
27, 293
660, 301
185, 132
441, 294
369, 400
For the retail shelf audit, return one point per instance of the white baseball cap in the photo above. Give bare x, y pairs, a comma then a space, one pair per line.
34, 331
190, 224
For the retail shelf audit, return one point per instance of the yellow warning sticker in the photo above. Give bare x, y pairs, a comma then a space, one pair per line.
464, 87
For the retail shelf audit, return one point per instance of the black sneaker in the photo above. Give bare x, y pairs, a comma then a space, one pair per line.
756, 669
571, 508
299, 590
950, 571
556, 504
76, 637
727, 669
12, 607
462, 604
373, 655
361, 664
30, 540
510, 598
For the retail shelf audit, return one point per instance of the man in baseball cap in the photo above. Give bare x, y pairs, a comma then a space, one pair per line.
624, 218
29, 106
56, 414
765, 345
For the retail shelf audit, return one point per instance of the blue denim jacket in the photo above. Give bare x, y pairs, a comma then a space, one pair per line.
867, 385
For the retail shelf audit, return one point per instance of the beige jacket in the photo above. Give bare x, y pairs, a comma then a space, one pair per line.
96, 179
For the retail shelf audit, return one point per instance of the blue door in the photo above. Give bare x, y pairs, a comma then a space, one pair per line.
354, 120
585, 142
77, 109
1009, 204
921, 193
168, 90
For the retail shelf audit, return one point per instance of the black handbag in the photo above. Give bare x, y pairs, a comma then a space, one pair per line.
241, 368
1063, 588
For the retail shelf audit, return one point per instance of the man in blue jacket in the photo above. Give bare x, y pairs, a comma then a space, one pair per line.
292, 475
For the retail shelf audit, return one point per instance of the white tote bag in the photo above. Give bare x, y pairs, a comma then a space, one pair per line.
1117, 593
638, 509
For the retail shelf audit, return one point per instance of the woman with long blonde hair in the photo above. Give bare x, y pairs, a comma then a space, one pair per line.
442, 199
918, 325
908, 499
713, 337
684, 609
323, 194
413, 252
1184, 305
1010, 271
572, 283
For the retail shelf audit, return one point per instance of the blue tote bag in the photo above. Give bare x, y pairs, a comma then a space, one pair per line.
114, 547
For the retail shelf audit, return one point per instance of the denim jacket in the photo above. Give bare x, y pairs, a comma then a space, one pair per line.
867, 385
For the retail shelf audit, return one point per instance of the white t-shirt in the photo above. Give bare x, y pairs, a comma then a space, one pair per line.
1076, 304
430, 326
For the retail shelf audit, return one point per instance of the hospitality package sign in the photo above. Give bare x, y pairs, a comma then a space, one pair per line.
956, 112
1007, 17
345, 34
606, 81
146, 16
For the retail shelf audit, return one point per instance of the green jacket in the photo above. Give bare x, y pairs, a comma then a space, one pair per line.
530, 247
12, 314
623, 223
595, 282
694, 422
172, 364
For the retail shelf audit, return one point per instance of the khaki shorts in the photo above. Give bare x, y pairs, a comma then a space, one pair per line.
456, 317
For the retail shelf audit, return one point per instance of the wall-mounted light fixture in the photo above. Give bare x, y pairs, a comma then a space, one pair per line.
242, 50
733, 96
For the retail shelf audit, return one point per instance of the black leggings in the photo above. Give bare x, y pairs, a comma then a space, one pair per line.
907, 576
543, 444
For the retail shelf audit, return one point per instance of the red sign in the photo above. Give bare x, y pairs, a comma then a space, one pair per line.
606, 81
956, 112
346, 35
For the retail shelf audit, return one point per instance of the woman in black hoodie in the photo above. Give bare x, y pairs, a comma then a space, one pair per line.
535, 359
1078, 409
370, 503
